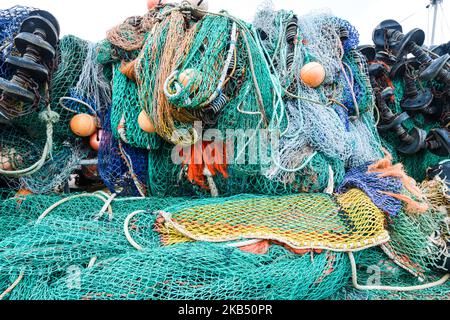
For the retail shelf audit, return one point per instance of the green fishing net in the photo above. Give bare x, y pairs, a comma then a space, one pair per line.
73, 253
73, 52
374, 268
125, 111
227, 74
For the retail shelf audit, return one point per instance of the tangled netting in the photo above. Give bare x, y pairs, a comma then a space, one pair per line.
370, 183
123, 168
92, 93
375, 268
10, 21
246, 182
79, 250
125, 112
56, 255
303, 222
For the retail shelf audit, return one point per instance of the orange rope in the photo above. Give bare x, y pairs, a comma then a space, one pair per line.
263, 247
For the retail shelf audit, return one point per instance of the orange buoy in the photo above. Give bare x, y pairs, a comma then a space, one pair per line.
95, 140
83, 125
313, 74
145, 123
192, 78
152, 4
127, 69
23, 193
9, 159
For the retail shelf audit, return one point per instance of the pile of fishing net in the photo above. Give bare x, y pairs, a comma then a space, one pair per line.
246, 181
96, 246
74, 253
285, 138
37, 152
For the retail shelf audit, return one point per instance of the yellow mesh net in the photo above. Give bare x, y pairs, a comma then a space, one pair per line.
436, 192
348, 222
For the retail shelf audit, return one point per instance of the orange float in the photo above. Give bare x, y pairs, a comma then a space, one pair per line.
23, 193
152, 4
145, 123
192, 78
313, 74
83, 125
9, 159
95, 140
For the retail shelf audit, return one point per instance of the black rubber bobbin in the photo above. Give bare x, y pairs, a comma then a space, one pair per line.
411, 142
414, 100
36, 42
438, 142
442, 49
379, 35
292, 30
368, 52
411, 43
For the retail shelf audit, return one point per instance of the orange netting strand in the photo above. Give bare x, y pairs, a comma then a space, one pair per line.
385, 168
212, 157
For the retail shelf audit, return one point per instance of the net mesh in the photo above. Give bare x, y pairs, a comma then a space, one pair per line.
318, 191
54, 256
125, 111
351, 222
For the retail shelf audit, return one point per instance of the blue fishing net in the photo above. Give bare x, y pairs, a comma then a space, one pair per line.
372, 184
124, 169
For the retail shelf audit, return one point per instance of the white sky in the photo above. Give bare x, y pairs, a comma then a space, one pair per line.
90, 19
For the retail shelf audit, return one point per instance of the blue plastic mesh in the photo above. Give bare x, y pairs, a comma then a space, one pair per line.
353, 40
371, 184
112, 167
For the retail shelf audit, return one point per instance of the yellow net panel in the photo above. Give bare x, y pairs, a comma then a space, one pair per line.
436, 192
348, 222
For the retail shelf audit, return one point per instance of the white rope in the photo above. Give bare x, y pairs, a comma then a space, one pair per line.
330, 188
244, 243
127, 230
106, 207
11, 288
50, 117
90, 108
388, 288
62, 201
92, 262
211, 183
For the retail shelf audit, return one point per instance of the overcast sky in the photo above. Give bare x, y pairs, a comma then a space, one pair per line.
90, 19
